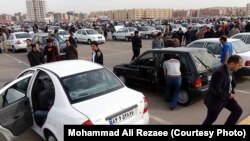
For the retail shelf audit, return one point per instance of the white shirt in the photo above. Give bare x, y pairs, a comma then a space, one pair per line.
93, 56
172, 66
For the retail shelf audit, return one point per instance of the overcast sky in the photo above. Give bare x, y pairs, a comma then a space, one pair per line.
86, 6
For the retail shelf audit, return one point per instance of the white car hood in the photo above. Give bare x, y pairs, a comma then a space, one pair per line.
97, 109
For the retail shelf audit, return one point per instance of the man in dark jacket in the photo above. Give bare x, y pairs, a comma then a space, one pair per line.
35, 56
136, 45
72, 39
71, 52
221, 92
50, 52
97, 56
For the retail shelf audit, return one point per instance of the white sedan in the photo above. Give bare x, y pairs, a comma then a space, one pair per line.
89, 35
49, 96
17, 41
239, 48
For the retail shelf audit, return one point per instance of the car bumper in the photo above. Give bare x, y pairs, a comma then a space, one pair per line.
144, 120
201, 91
244, 71
18, 47
99, 40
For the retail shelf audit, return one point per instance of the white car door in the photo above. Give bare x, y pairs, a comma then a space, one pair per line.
84, 36
15, 111
10, 41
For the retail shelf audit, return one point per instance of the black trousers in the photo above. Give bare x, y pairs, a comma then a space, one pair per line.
232, 106
136, 52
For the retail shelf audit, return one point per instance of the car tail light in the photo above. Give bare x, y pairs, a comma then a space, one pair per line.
145, 105
247, 63
197, 83
18, 42
87, 122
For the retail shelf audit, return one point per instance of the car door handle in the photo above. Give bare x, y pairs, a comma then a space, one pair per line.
16, 117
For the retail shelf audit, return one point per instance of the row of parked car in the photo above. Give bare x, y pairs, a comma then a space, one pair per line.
55, 89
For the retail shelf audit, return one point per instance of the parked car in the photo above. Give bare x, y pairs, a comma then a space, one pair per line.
42, 37
239, 48
89, 35
125, 33
17, 41
63, 34
147, 70
68, 92
148, 31
245, 37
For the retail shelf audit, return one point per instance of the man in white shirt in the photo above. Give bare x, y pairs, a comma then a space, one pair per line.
172, 74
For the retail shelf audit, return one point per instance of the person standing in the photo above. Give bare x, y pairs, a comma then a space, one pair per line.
158, 43
172, 73
97, 56
71, 52
221, 92
72, 39
4, 41
29, 45
226, 50
35, 56
136, 45
50, 52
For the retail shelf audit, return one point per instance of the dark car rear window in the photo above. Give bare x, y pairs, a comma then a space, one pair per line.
202, 58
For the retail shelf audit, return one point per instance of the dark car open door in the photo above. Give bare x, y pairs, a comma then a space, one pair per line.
15, 110
146, 68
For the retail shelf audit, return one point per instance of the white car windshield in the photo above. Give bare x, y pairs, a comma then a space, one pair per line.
90, 84
63, 33
23, 35
91, 32
240, 47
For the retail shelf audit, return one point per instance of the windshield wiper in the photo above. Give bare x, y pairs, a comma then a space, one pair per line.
206, 66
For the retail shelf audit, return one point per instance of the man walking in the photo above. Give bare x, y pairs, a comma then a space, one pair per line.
226, 50
50, 52
136, 44
97, 56
71, 52
72, 39
221, 92
35, 56
158, 43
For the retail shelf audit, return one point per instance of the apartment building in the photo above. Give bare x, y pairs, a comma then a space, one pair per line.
36, 9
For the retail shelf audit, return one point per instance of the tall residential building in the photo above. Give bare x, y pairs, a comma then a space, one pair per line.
36, 9
248, 9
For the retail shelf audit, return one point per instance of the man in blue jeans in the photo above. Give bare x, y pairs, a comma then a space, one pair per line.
172, 74
226, 50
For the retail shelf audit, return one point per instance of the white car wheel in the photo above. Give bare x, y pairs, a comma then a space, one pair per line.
51, 138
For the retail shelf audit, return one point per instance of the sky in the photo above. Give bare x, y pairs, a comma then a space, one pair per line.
86, 6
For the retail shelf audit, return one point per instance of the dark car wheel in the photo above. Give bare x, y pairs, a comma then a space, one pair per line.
89, 41
184, 98
13, 49
126, 39
114, 38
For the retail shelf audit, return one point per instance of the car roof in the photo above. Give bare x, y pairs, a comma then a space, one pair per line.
215, 40
245, 33
179, 49
70, 67
20, 33
41, 34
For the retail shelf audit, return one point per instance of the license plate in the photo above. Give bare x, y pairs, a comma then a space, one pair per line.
118, 119
209, 78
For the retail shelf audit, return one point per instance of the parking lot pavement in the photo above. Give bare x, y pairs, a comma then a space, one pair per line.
117, 52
